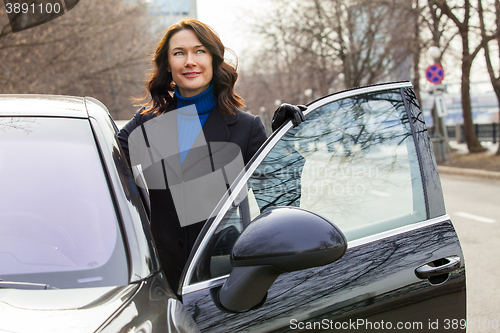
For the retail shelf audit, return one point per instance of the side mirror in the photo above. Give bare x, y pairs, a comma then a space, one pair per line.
283, 239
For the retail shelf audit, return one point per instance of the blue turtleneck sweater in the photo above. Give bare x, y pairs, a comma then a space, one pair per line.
190, 119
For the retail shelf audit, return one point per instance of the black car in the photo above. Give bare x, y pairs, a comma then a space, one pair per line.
336, 224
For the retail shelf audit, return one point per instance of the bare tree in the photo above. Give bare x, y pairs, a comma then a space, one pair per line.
311, 42
494, 77
434, 29
461, 17
375, 41
285, 66
97, 49
414, 16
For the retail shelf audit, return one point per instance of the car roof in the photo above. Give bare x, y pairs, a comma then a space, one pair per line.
43, 105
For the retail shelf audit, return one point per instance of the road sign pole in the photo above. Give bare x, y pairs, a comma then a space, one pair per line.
435, 75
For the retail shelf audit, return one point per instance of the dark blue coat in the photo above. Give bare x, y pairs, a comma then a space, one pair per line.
174, 242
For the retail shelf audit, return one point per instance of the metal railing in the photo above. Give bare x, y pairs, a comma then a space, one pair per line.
484, 132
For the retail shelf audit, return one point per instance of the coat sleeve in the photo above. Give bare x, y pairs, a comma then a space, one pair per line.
256, 138
124, 133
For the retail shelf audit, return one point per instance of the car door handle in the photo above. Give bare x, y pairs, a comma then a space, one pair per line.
438, 267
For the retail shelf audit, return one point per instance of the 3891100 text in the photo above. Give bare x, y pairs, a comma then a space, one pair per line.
453, 324
31, 8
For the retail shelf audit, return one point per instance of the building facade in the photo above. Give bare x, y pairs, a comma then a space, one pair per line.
167, 12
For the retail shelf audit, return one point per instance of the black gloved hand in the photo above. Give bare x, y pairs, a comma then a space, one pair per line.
286, 112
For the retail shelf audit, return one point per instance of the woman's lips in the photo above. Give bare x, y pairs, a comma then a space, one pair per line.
191, 74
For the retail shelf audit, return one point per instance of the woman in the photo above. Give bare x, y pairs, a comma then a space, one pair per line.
191, 79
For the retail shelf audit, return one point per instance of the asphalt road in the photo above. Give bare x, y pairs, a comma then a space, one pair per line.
474, 207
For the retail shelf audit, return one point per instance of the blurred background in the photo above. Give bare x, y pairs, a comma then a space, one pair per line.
296, 51
290, 51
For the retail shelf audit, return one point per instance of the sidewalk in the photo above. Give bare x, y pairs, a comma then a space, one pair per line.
476, 160
461, 148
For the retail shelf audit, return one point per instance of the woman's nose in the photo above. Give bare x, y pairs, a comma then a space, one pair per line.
190, 60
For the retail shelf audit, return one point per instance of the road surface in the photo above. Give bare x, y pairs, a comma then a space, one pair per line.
474, 207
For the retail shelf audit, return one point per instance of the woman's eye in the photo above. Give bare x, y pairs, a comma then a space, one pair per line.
201, 51
177, 53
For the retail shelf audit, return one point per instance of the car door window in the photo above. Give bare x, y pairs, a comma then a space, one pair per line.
353, 161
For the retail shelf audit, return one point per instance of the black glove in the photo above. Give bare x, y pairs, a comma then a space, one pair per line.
286, 112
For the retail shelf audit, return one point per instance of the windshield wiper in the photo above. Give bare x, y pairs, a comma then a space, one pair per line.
24, 285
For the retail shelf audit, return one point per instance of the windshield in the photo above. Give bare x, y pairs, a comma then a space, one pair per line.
58, 225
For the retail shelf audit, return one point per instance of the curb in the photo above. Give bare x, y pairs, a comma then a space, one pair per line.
468, 172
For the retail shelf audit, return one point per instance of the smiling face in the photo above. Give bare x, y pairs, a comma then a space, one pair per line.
190, 63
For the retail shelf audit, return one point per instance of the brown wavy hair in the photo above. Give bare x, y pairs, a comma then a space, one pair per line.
161, 86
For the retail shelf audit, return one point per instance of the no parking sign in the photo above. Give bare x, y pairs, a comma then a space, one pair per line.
435, 73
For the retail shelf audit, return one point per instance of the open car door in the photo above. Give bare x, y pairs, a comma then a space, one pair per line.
362, 161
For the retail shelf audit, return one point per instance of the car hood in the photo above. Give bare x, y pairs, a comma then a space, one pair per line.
62, 310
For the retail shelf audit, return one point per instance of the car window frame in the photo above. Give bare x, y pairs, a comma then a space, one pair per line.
134, 223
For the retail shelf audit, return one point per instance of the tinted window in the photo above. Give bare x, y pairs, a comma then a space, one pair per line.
58, 225
353, 161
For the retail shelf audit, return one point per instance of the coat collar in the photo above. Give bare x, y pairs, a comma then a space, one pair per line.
215, 129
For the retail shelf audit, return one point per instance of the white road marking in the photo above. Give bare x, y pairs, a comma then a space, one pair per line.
475, 217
